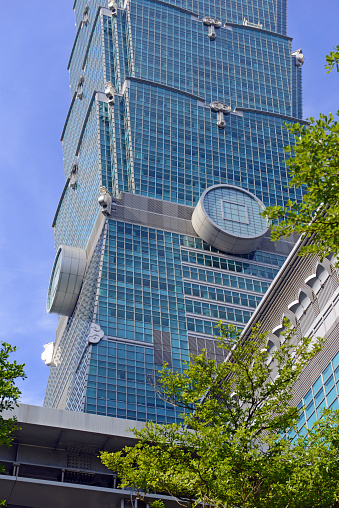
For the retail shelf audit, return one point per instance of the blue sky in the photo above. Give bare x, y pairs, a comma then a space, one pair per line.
36, 39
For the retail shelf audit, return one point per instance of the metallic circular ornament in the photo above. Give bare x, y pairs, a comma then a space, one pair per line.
228, 218
95, 334
66, 280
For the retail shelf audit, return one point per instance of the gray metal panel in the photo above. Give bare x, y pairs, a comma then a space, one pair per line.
283, 247
61, 419
54, 460
283, 291
162, 347
335, 280
321, 317
157, 337
197, 344
155, 206
325, 293
158, 357
166, 339
158, 214
167, 357
185, 212
307, 319
192, 344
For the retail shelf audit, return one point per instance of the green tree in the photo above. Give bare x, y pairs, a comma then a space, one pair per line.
9, 394
332, 60
231, 448
314, 165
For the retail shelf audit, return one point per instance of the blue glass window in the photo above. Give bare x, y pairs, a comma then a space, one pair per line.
335, 405
335, 361
329, 383
309, 409
312, 420
301, 420
322, 406
319, 396
331, 396
327, 372
307, 397
317, 385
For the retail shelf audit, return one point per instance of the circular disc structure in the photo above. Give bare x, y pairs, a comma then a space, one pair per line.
66, 280
228, 218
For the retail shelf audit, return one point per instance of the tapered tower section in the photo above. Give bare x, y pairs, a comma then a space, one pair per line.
175, 105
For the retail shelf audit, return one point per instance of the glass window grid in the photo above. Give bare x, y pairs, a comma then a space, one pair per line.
91, 59
70, 227
236, 51
227, 314
272, 13
120, 384
222, 295
93, 80
243, 211
149, 294
235, 212
181, 173
323, 394
140, 276
106, 156
142, 290
260, 256
111, 63
228, 264
73, 346
224, 279
202, 326
124, 56
119, 135
78, 11
78, 55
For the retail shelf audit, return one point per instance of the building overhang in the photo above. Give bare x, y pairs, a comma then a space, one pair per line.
38, 471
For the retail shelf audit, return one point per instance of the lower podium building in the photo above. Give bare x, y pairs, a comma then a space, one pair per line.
306, 292
54, 462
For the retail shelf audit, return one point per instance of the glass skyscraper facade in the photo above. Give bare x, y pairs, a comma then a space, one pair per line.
169, 98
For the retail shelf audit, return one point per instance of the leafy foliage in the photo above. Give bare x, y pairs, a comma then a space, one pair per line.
231, 448
314, 165
9, 393
332, 60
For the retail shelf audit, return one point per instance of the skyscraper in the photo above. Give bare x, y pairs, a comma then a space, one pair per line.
173, 144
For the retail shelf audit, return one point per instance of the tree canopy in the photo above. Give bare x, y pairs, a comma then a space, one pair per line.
231, 448
314, 166
332, 59
9, 394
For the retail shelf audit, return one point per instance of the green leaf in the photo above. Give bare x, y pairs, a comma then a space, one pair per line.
229, 450
9, 394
